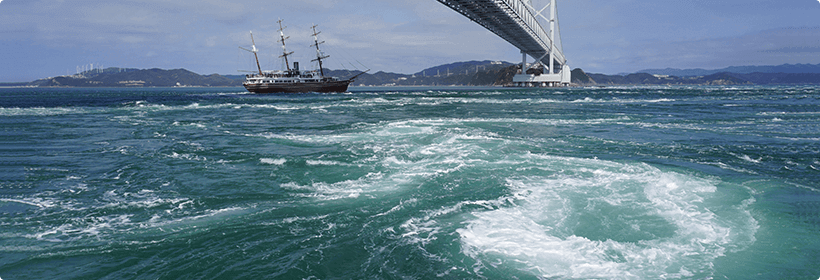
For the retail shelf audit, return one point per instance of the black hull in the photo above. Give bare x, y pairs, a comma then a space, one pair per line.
324, 87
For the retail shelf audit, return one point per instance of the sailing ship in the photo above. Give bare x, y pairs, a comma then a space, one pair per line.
293, 80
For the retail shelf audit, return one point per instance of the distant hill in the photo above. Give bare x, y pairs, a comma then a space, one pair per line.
723, 78
779, 78
648, 79
477, 73
784, 68
122, 77
235, 77
460, 73
465, 67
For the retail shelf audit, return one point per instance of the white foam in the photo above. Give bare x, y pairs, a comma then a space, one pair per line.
91, 221
655, 224
286, 108
397, 207
393, 132
82, 228
41, 111
647, 223
191, 157
144, 199
40, 204
422, 230
273, 161
406, 153
370, 183
103, 227
749, 159
324, 162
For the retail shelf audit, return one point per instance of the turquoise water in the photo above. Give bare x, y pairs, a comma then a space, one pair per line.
411, 183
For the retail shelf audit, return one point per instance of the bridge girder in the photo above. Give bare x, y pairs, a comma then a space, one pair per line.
513, 21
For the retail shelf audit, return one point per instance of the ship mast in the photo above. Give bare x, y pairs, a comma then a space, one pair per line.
319, 55
285, 52
253, 50
254, 54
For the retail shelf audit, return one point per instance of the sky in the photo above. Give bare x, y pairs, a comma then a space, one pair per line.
45, 38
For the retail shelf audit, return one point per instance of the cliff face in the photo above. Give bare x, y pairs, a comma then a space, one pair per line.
505, 76
579, 77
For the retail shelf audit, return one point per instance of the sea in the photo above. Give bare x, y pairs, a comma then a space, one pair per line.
662, 182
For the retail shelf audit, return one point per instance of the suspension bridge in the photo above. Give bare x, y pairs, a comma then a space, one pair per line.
517, 22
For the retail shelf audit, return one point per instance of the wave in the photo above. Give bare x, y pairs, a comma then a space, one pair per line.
272, 161
562, 216
67, 220
43, 111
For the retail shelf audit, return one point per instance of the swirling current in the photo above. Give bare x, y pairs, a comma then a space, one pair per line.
411, 183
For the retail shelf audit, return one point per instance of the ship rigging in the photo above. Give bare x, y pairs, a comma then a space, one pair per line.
294, 80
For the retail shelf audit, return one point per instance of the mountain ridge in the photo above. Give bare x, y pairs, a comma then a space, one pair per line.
476, 73
783, 68
458, 73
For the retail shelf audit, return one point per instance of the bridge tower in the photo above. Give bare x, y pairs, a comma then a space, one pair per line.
516, 21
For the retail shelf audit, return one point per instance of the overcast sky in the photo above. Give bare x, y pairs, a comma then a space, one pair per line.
41, 38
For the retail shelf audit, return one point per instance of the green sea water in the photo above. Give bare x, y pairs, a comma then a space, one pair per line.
411, 183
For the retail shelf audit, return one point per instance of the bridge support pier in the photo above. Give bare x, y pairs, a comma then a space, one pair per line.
517, 21
561, 79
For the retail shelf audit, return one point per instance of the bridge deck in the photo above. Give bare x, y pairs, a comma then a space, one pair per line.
513, 21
